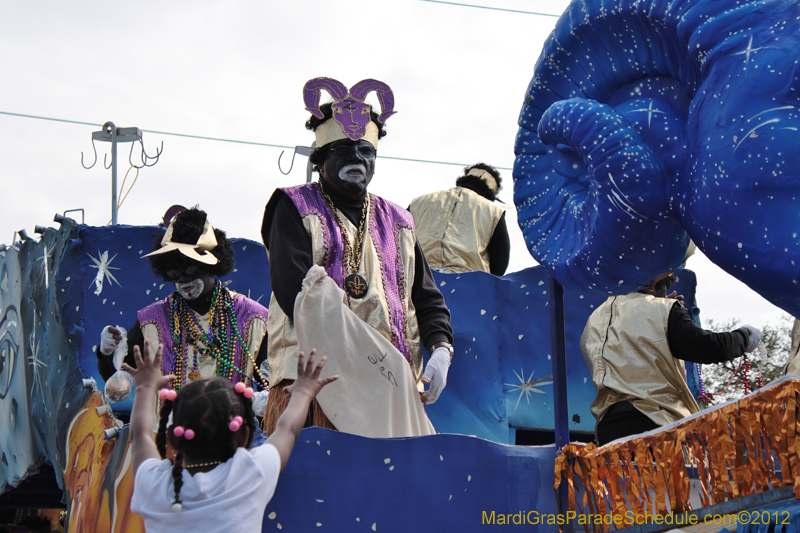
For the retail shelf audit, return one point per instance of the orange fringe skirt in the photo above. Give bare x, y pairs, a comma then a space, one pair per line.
278, 400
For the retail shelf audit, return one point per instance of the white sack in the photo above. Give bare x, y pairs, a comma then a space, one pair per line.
375, 395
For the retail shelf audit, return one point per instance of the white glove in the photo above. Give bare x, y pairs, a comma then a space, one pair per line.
107, 342
753, 337
436, 374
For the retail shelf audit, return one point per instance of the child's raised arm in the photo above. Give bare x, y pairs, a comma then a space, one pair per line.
148, 379
303, 390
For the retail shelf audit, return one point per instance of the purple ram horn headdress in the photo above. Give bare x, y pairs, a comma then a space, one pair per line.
312, 88
360, 90
349, 109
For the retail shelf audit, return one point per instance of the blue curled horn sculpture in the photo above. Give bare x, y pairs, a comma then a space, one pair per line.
650, 123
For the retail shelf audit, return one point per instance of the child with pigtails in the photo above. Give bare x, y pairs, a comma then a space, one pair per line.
215, 480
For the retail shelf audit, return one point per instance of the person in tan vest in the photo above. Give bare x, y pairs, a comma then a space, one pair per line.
635, 345
462, 229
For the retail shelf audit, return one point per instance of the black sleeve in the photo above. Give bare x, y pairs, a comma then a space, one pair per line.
105, 364
690, 342
290, 253
499, 248
432, 313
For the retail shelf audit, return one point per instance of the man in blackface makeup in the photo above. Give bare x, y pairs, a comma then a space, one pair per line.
365, 244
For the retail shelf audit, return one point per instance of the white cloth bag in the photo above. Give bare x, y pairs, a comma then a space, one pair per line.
375, 395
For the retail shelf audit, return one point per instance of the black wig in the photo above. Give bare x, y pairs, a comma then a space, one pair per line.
474, 183
187, 228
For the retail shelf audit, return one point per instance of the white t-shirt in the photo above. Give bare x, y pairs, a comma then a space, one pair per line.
232, 496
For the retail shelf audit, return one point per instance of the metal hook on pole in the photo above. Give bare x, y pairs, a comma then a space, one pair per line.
291, 165
302, 150
144, 156
111, 134
95, 157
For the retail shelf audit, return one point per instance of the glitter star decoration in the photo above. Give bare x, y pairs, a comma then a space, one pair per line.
47, 255
37, 365
526, 387
103, 265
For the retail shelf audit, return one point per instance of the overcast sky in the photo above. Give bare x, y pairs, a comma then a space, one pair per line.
235, 70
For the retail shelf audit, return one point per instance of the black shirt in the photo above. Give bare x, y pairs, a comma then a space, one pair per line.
690, 342
291, 256
499, 248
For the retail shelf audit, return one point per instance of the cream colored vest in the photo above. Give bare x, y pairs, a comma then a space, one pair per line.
625, 345
372, 309
454, 227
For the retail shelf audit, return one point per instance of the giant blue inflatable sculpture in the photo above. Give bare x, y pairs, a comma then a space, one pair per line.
648, 123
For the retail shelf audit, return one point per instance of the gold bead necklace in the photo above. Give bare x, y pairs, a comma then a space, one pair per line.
354, 285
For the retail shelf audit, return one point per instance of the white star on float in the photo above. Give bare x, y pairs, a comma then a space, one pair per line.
103, 266
45, 259
527, 387
650, 112
747, 51
36, 364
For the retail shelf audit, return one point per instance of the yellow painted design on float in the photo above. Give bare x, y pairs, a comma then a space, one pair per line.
91, 508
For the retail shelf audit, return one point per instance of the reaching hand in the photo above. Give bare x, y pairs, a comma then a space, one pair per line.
435, 374
308, 379
148, 368
303, 390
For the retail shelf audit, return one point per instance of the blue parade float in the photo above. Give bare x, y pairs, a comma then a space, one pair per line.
646, 124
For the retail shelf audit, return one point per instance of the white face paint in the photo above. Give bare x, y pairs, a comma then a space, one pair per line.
353, 173
192, 289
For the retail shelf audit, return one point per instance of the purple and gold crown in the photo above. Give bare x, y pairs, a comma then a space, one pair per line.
351, 115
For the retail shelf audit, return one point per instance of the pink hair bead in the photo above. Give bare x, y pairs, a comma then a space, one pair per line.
239, 387
178, 431
162, 394
239, 420
188, 434
248, 392
171, 395
234, 425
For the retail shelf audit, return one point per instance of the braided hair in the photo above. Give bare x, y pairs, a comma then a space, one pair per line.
205, 406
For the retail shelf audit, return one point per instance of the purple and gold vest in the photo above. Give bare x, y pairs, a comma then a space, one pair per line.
245, 309
387, 264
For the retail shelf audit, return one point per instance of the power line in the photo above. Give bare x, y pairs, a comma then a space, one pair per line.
492, 8
53, 119
152, 131
219, 139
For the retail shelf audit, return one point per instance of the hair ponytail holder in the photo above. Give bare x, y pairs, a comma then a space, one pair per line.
242, 389
167, 394
180, 431
236, 423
